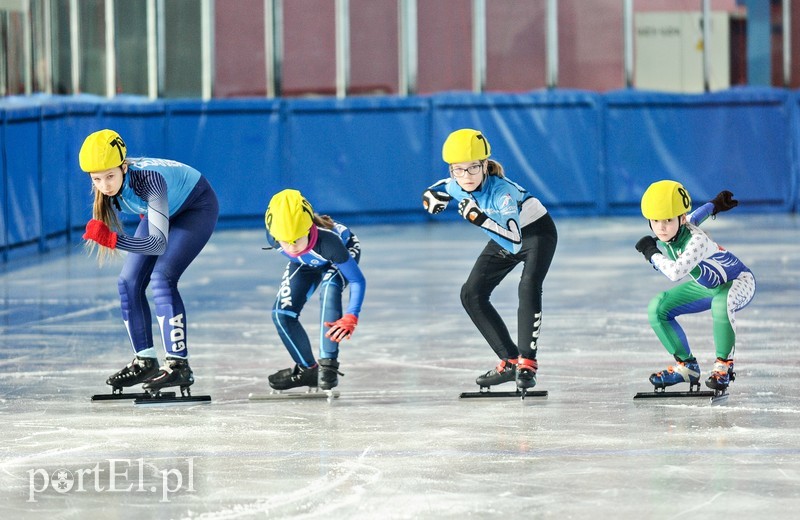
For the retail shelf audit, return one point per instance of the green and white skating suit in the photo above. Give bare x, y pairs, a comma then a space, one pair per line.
720, 282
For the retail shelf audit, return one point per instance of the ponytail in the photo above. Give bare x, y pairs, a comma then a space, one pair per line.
323, 221
495, 168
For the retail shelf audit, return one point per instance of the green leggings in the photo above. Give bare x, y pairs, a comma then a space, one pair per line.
691, 297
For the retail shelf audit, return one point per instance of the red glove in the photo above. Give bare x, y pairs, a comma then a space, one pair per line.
98, 231
342, 328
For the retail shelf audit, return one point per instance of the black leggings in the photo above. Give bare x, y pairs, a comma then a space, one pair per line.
539, 241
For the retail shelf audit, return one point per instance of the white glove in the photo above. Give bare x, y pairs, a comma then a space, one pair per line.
435, 201
469, 209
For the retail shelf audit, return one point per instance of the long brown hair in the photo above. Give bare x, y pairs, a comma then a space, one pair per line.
103, 210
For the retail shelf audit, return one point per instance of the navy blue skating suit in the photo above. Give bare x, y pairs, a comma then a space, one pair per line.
521, 231
179, 211
330, 264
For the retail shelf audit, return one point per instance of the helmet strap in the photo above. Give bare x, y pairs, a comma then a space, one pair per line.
681, 225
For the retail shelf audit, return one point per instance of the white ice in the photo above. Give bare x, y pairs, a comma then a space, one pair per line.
399, 443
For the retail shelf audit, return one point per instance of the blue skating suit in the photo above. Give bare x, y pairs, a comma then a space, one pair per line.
179, 211
508, 205
330, 265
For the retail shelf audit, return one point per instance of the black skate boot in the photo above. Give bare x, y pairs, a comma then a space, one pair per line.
175, 372
504, 372
328, 373
294, 377
136, 372
526, 373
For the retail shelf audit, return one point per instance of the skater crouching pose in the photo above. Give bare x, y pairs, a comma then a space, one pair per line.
178, 210
721, 282
521, 231
323, 255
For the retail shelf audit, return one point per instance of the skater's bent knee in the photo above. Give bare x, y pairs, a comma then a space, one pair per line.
280, 316
656, 310
470, 296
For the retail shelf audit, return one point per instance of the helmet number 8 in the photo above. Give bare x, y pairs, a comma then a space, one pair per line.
684, 198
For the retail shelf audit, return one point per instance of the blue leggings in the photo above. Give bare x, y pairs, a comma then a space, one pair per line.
189, 230
297, 285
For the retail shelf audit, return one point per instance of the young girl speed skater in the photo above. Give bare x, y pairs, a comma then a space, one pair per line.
178, 210
720, 282
323, 255
521, 231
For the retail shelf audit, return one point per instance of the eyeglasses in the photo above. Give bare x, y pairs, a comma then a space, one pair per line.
472, 169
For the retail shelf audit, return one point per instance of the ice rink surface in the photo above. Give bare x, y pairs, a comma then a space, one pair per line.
399, 443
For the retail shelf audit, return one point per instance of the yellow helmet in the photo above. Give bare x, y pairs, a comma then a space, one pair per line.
665, 200
465, 145
102, 151
289, 216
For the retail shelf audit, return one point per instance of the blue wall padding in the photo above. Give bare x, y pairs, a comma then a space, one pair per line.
795, 173
360, 155
23, 175
738, 139
368, 159
235, 143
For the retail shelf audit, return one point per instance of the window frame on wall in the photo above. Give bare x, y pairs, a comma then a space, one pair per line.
168, 48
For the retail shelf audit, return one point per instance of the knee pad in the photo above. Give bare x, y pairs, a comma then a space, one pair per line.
162, 287
280, 317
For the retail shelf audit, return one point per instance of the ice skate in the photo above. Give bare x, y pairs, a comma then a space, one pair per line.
682, 372
526, 373
294, 377
175, 372
328, 373
721, 376
504, 372
136, 372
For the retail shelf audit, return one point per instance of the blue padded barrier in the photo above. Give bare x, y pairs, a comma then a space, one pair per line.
3, 191
55, 170
22, 203
363, 157
236, 144
739, 140
368, 159
795, 173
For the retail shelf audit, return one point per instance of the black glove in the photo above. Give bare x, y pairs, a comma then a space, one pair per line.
469, 209
435, 201
647, 246
723, 202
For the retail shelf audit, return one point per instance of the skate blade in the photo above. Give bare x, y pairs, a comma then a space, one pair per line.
668, 395
128, 397
163, 399
719, 398
281, 395
518, 394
